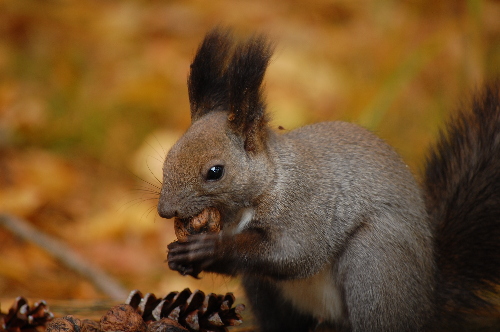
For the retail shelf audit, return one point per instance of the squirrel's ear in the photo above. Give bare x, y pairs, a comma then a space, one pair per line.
247, 116
228, 77
207, 82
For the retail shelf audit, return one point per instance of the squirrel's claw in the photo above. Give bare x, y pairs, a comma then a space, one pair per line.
193, 256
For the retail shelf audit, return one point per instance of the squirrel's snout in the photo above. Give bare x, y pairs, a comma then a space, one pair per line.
166, 211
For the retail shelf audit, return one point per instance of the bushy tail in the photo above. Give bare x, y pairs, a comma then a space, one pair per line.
462, 186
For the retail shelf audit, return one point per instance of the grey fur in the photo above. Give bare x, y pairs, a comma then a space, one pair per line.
329, 195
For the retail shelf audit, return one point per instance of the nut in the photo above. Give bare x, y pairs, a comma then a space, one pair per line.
208, 221
65, 324
89, 325
123, 318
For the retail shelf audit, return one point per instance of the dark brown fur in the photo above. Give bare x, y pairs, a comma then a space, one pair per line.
228, 77
462, 185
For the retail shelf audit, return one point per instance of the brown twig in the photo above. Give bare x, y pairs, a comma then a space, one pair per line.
65, 255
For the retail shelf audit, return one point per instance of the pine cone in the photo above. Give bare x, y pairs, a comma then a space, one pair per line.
166, 325
23, 318
196, 311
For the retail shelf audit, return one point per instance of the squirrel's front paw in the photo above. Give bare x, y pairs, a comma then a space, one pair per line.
185, 270
193, 256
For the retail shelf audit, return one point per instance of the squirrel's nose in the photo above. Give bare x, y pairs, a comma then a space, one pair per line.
166, 211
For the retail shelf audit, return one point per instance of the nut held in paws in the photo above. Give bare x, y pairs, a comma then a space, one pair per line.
208, 221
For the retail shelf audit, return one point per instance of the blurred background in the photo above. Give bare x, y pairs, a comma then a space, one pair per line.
93, 93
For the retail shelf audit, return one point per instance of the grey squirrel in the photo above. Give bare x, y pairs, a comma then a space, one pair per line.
325, 224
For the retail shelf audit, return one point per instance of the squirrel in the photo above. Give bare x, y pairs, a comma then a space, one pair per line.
325, 224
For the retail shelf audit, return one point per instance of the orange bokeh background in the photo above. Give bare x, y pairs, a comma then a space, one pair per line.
92, 94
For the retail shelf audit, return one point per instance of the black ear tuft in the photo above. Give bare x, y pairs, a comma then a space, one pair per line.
226, 76
208, 86
246, 72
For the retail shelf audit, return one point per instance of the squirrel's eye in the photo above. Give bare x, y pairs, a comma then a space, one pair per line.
215, 173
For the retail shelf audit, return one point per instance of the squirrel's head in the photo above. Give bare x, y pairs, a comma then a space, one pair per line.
222, 159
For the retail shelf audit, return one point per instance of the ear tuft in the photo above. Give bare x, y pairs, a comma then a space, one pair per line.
207, 83
246, 73
227, 76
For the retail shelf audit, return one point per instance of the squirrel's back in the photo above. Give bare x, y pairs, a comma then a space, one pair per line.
363, 167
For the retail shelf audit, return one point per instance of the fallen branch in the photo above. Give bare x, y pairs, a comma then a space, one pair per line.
65, 255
